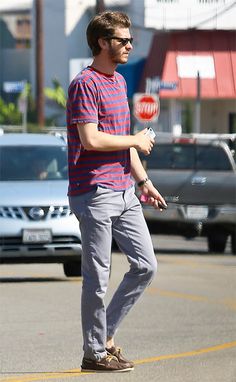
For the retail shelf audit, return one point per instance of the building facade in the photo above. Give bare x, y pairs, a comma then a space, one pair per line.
184, 50
193, 46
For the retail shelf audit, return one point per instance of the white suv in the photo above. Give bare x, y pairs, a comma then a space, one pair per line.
36, 224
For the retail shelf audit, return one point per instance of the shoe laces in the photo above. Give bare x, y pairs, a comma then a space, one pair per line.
119, 350
110, 357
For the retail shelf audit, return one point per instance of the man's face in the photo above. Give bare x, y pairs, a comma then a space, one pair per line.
120, 46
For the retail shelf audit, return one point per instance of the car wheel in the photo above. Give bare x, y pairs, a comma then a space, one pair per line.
233, 243
217, 242
72, 268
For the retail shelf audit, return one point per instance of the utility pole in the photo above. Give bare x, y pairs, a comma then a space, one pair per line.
198, 106
39, 63
100, 6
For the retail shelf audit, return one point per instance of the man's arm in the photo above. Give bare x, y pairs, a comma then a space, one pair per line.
93, 139
145, 184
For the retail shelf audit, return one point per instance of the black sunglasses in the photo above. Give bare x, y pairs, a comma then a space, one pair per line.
123, 40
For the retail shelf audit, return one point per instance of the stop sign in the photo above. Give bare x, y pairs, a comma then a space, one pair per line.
146, 107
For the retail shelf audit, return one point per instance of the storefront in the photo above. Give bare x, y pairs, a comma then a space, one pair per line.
202, 64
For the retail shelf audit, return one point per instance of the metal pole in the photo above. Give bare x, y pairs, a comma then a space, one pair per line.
148, 85
24, 106
24, 119
198, 106
100, 6
39, 63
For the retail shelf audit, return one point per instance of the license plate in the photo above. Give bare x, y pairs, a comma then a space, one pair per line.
197, 212
37, 236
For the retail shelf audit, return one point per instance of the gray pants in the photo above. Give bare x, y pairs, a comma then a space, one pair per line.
104, 214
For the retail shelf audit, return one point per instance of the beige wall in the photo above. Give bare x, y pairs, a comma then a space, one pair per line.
184, 14
215, 115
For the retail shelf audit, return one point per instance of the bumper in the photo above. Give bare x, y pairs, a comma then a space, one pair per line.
65, 241
42, 252
191, 219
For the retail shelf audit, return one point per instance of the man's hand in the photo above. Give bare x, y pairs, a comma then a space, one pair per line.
152, 197
144, 143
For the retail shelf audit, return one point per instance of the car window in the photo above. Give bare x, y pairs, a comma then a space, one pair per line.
212, 158
33, 163
187, 156
169, 156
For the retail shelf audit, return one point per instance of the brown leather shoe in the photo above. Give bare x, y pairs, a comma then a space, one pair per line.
116, 351
106, 364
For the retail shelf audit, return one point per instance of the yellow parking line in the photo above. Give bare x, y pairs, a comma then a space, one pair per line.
188, 354
192, 263
77, 373
229, 303
46, 376
170, 293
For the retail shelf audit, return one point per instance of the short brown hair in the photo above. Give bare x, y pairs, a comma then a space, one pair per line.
103, 25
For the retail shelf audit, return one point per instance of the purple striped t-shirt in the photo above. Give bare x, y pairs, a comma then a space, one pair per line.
102, 99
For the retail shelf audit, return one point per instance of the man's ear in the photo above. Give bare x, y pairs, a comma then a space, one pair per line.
104, 44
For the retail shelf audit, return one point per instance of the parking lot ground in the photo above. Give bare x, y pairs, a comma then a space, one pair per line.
183, 329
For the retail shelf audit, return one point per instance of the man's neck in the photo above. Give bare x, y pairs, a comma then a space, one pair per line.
103, 67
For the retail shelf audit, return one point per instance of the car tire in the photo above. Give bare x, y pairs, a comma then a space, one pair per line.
72, 268
233, 243
217, 242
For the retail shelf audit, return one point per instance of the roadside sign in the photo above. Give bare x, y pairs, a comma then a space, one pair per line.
13, 86
155, 84
22, 104
146, 107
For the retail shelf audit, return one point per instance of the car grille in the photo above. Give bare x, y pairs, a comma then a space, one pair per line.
60, 245
25, 213
11, 212
17, 240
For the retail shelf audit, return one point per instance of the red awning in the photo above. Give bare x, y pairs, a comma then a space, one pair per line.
176, 56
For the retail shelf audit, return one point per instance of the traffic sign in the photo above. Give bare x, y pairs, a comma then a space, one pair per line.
155, 84
13, 86
146, 107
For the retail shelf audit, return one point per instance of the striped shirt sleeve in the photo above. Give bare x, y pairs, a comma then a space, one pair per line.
83, 98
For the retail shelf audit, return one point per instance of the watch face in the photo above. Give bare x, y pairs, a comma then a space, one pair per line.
142, 182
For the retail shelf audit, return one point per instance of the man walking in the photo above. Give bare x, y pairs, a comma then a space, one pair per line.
103, 165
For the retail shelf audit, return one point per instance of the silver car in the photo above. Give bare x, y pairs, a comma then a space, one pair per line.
36, 224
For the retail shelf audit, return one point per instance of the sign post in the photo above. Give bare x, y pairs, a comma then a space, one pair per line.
146, 107
22, 106
19, 87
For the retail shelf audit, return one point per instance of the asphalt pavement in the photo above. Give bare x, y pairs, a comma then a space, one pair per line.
183, 329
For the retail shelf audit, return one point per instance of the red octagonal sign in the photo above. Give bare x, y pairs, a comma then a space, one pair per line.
146, 107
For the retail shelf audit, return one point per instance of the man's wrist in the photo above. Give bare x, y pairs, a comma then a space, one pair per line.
142, 182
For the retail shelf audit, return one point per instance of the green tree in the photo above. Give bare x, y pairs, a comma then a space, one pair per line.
57, 99
187, 118
9, 113
56, 94
31, 104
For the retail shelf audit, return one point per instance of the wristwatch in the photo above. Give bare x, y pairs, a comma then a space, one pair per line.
143, 182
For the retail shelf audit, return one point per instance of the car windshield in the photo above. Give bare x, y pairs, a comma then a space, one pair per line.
33, 163
187, 157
